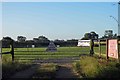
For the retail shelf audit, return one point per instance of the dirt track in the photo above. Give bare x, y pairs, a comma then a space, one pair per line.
65, 70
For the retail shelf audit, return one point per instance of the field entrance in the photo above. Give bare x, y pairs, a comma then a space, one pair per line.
39, 55
25, 58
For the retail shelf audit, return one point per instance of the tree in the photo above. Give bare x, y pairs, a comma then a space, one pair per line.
109, 35
43, 39
87, 36
91, 35
94, 35
7, 39
21, 39
118, 37
115, 36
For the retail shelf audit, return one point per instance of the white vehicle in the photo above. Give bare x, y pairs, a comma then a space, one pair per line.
83, 43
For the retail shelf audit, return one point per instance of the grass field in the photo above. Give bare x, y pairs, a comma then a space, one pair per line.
40, 53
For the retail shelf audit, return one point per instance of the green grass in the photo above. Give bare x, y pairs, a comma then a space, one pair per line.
40, 53
86, 67
22, 54
92, 67
25, 57
8, 68
29, 54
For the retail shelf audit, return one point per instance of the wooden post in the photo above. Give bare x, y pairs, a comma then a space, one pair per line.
107, 49
91, 47
99, 49
12, 51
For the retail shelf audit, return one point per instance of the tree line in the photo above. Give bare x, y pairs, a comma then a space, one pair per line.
43, 41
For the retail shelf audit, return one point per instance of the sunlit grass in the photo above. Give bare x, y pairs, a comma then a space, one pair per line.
92, 67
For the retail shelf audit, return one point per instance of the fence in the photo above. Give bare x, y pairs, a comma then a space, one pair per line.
31, 54
11, 50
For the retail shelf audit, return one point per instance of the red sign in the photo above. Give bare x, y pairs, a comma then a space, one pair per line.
113, 48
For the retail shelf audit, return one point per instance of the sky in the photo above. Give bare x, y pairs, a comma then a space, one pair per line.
57, 20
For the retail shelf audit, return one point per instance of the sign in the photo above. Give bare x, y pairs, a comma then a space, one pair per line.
113, 48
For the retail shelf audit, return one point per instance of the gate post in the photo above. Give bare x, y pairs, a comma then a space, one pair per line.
91, 47
12, 51
99, 48
107, 49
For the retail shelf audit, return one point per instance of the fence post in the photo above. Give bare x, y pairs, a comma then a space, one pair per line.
91, 47
107, 49
99, 49
12, 51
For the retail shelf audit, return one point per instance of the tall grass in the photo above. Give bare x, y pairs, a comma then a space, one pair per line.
91, 67
9, 68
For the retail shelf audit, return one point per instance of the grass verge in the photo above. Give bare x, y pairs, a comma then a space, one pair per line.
91, 67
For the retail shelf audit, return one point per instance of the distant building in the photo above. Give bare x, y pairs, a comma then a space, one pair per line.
83, 43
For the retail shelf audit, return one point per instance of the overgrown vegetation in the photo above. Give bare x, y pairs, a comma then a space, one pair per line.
10, 68
91, 67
